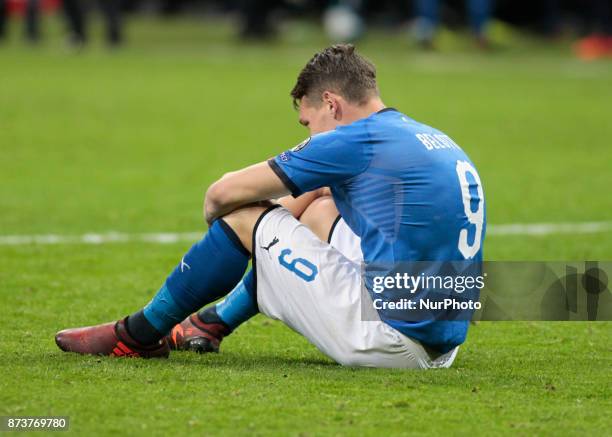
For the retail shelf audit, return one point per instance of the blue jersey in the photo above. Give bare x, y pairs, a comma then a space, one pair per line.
407, 190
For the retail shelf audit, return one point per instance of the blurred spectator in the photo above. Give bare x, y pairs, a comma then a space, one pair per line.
32, 19
428, 11
75, 11
255, 16
342, 21
598, 43
171, 7
551, 17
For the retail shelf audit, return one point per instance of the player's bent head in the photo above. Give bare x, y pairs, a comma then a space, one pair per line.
335, 76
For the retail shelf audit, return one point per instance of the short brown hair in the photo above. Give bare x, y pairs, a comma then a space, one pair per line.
339, 69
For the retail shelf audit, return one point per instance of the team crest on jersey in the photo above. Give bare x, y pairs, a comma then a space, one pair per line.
301, 145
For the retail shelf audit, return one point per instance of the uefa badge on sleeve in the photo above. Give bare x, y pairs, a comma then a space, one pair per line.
301, 145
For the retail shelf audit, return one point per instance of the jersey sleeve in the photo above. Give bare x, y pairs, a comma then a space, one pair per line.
323, 160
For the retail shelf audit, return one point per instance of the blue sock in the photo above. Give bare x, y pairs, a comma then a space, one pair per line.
240, 305
211, 268
161, 312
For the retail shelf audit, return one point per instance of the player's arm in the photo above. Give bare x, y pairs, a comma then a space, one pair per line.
329, 158
297, 205
243, 187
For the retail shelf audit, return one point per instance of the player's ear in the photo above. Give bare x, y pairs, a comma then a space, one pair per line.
337, 113
332, 103
328, 101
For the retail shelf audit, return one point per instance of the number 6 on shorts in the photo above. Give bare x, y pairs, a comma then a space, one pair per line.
293, 266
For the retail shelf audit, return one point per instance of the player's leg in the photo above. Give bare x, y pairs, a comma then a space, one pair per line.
320, 216
315, 290
479, 12
204, 331
427, 13
210, 269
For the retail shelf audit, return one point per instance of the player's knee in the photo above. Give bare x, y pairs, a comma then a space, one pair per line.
242, 221
322, 204
319, 216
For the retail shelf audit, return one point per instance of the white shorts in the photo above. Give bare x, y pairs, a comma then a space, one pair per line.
315, 288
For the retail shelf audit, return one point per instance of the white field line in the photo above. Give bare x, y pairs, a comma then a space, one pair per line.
549, 228
103, 238
520, 229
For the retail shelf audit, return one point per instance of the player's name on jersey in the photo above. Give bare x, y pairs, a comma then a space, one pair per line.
437, 141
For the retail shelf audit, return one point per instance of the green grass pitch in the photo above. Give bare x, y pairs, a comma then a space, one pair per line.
129, 140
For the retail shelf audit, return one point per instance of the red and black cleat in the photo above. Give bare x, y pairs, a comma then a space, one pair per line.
108, 339
192, 334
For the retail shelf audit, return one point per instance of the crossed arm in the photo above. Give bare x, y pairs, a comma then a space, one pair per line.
253, 184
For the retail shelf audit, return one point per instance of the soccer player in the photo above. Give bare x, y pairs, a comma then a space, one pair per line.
401, 190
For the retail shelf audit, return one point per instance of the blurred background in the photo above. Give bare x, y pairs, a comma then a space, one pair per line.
117, 114
588, 23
